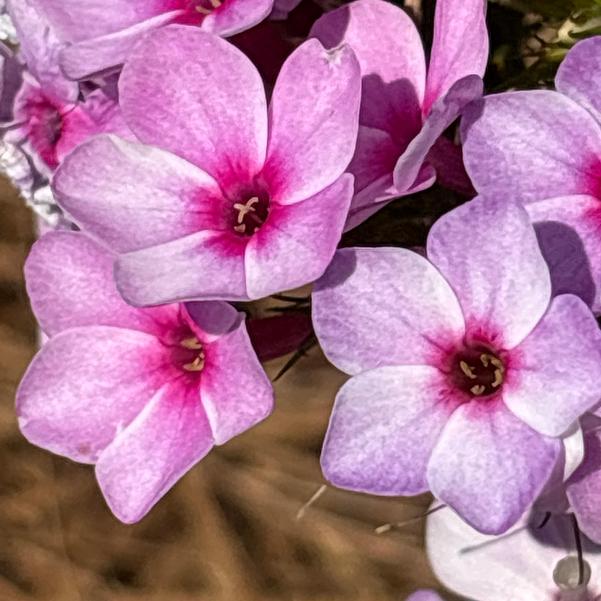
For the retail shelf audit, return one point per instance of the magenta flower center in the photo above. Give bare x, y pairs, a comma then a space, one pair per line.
478, 372
188, 354
250, 215
45, 126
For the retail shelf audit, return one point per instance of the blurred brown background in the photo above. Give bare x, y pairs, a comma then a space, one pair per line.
226, 532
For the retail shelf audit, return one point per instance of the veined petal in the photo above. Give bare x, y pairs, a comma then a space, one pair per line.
488, 252
313, 121
383, 427
489, 466
85, 385
132, 196
210, 110
384, 306
146, 459
555, 373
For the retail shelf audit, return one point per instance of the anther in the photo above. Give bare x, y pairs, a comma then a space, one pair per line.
215, 3
477, 389
196, 365
191, 343
202, 10
467, 370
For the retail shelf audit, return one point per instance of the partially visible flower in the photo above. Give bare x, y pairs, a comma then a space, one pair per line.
537, 560
95, 37
143, 394
8, 33
466, 373
424, 595
224, 198
281, 8
543, 148
405, 109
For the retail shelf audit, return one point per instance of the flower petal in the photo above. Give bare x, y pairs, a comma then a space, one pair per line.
70, 283
413, 319
297, 242
85, 385
443, 113
391, 56
557, 371
99, 54
424, 595
210, 111
518, 144
568, 230
132, 196
521, 562
488, 252
576, 76
383, 427
489, 466
203, 266
313, 121
167, 438
235, 16
459, 48
584, 487
235, 390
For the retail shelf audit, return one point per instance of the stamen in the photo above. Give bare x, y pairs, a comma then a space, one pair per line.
196, 365
215, 3
202, 10
477, 389
467, 370
498, 378
245, 209
191, 343
240, 228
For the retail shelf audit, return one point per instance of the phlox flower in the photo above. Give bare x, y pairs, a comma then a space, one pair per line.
544, 148
143, 394
96, 36
535, 560
466, 372
405, 107
221, 199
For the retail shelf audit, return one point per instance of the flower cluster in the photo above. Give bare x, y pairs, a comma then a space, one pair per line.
178, 179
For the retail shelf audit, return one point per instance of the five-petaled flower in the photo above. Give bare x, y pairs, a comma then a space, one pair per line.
143, 394
466, 372
221, 199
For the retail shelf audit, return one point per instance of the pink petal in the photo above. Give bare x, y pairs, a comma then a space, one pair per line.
100, 54
568, 229
424, 596
235, 391
203, 266
383, 427
584, 487
132, 196
85, 385
489, 466
210, 111
390, 52
514, 145
518, 566
557, 372
313, 120
167, 438
459, 48
297, 242
76, 20
443, 113
488, 251
413, 318
211, 319
40, 46
70, 283
576, 76
235, 16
